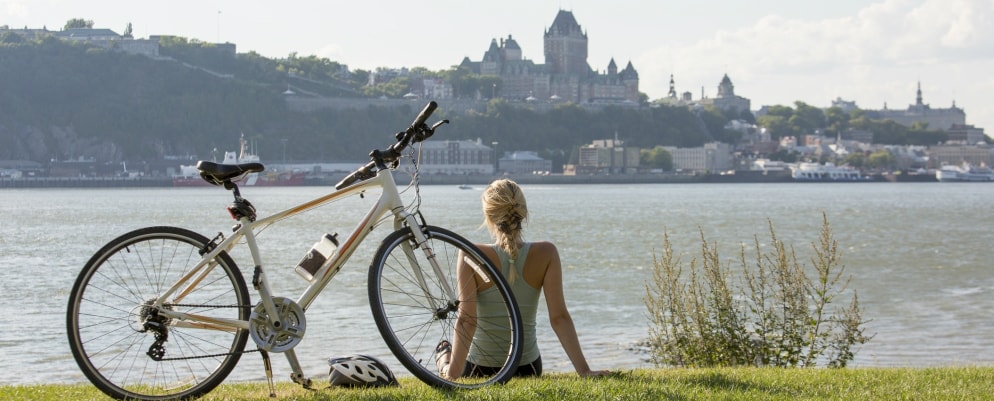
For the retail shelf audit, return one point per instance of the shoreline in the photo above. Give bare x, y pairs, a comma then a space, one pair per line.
744, 177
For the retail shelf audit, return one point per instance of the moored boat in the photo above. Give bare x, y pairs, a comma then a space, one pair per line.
189, 176
964, 173
824, 172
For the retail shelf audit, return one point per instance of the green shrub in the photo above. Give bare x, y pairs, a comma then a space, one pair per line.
778, 316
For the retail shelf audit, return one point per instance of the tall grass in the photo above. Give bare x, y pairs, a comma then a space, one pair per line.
780, 312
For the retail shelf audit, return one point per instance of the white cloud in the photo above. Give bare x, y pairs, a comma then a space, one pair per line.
331, 51
874, 56
15, 8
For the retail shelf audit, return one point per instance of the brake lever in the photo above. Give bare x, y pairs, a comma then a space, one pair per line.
428, 131
438, 124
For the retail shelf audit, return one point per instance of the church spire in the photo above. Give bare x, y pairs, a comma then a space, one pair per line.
918, 99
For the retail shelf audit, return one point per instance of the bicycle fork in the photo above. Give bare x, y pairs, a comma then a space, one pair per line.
421, 242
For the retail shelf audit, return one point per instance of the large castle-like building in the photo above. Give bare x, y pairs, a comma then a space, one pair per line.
936, 118
565, 76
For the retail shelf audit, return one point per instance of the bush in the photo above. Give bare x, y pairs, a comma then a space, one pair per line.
779, 316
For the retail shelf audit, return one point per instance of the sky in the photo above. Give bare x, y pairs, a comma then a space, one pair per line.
776, 52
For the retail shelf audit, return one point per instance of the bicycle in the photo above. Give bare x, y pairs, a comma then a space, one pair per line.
164, 313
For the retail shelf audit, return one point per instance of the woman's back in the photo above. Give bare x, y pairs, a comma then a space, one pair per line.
526, 291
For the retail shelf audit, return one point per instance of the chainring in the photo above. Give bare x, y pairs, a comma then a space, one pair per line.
280, 333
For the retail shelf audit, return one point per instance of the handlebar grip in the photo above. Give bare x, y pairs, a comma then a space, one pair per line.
425, 113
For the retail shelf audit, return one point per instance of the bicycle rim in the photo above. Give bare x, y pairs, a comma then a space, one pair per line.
414, 315
112, 331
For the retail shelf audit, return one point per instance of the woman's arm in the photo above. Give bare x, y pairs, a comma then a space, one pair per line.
559, 317
465, 322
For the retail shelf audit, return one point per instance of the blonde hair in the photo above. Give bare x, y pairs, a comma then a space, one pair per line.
504, 209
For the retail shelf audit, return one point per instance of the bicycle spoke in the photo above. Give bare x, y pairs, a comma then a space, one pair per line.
130, 350
415, 315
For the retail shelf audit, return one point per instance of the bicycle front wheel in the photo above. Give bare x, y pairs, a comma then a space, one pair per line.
415, 299
130, 351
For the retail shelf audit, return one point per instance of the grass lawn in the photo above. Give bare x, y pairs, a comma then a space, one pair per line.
952, 383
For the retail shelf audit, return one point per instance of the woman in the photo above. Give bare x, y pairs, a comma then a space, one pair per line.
530, 268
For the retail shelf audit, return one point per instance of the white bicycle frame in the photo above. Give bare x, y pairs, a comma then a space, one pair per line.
388, 202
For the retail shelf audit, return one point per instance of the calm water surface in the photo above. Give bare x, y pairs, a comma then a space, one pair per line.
919, 256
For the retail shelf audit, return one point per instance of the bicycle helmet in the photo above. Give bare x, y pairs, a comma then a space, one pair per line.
359, 371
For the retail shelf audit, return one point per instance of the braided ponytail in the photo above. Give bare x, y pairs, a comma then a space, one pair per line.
504, 210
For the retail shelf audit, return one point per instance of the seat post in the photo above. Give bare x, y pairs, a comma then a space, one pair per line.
231, 186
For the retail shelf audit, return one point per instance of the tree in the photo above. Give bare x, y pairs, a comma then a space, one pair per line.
128, 31
780, 110
715, 120
10, 38
856, 159
747, 116
657, 157
78, 23
777, 121
807, 119
836, 120
776, 125
880, 159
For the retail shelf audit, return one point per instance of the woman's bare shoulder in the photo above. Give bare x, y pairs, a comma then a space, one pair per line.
487, 250
544, 248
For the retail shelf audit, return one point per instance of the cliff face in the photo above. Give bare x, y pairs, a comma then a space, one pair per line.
40, 144
68, 101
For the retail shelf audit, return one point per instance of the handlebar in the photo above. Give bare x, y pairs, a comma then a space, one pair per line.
380, 159
424, 114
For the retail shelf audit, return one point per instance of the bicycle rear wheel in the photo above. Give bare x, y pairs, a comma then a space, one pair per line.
414, 311
125, 347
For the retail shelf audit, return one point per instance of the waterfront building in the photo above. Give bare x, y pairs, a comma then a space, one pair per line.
456, 157
565, 77
523, 162
19, 168
965, 134
768, 166
976, 155
713, 157
605, 156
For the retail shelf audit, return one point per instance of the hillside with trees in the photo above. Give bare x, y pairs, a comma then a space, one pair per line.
64, 100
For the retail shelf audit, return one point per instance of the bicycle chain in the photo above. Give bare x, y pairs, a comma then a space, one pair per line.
161, 350
205, 306
207, 356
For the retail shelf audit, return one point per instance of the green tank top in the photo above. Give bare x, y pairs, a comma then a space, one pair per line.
492, 352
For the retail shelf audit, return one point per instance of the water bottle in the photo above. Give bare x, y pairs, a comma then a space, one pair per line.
319, 253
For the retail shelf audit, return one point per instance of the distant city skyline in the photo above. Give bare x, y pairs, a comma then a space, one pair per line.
776, 52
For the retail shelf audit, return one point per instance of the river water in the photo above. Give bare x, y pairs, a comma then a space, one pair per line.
919, 255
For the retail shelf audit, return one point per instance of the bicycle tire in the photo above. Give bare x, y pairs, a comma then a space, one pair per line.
108, 322
413, 319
